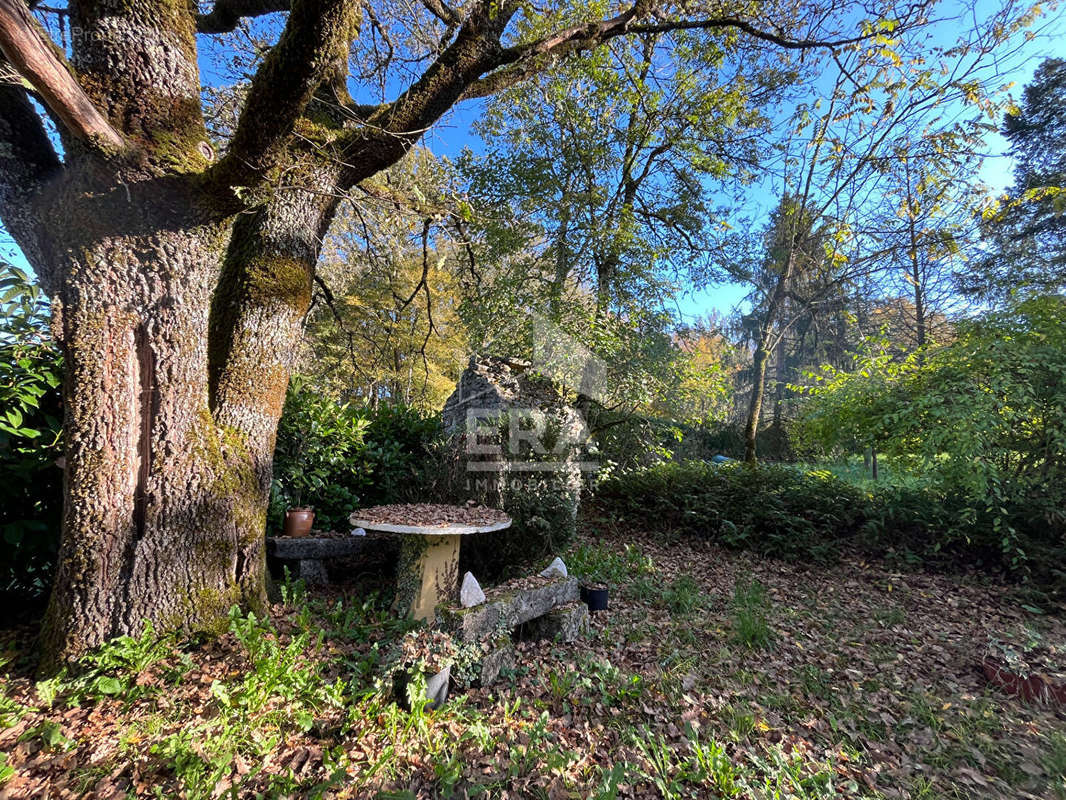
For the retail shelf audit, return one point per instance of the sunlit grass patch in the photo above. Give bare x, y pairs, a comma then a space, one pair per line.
750, 608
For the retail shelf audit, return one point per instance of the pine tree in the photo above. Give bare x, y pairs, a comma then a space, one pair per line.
1026, 233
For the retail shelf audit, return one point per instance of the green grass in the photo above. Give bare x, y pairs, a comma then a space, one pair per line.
854, 471
1054, 763
683, 596
749, 610
602, 563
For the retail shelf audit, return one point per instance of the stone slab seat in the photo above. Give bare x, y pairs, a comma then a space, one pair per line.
506, 607
304, 555
562, 624
298, 549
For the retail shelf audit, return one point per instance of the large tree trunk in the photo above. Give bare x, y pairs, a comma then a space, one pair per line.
179, 285
257, 315
152, 480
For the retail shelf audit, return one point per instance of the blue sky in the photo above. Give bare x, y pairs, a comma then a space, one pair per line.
453, 133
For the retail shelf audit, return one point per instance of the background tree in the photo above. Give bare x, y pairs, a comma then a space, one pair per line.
983, 417
1025, 230
609, 163
594, 198
384, 325
924, 238
835, 158
797, 272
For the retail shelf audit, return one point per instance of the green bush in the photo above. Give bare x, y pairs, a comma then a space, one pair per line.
402, 443
774, 510
542, 507
541, 502
31, 482
791, 513
982, 419
944, 527
336, 457
628, 442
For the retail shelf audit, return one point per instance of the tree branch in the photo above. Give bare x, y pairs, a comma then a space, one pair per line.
25, 45
27, 162
528, 59
387, 133
226, 15
317, 35
524, 60
781, 40
444, 12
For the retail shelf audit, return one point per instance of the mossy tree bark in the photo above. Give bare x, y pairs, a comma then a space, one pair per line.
134, 242
178, 304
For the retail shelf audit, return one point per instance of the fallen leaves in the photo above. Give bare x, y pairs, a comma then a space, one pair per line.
431, 515
870, 688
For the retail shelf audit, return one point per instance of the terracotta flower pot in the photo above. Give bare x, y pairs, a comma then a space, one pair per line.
1034, 688
298, 522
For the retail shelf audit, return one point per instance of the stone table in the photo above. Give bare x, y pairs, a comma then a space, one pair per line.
428, 569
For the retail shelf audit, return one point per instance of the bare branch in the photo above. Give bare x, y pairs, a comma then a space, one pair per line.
331, 303
444, 12
226, 15
390, 131
26, 46
522, 61
735, 23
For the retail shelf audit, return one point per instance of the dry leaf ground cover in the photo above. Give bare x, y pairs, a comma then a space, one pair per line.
714, 674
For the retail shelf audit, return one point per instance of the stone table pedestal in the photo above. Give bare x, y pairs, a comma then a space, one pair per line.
428, 571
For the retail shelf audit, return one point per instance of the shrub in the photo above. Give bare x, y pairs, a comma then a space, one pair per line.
945, 526
336, 457
319, 457
31, 482
541, 497
982, 418
402, 442
773, 510
786, 512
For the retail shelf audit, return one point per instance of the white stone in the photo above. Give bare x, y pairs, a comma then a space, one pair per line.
556, 568
358, 532
470, 593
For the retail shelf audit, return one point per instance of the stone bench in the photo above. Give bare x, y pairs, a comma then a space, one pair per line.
304, 555
550, 608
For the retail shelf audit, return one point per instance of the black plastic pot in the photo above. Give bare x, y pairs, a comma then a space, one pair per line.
436, 688
595, 597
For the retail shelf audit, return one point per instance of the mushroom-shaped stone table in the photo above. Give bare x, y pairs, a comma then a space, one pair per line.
428, 570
